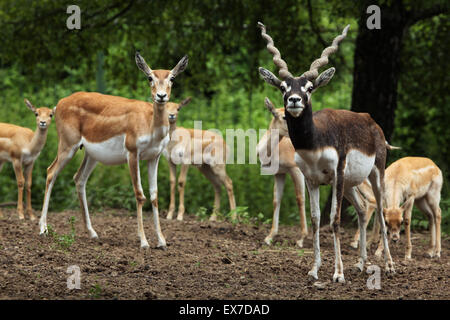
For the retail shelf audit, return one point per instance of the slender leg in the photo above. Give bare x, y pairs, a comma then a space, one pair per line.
63, 157
377, 182
423, 205
133, 163
314, 197
407, 222
173, 177
81, 178
181, 186
335, 219
28, 171
351, 195
437, 220
299, 185
278, 189
17, 165
153, 183
220, 171
205, 169
1, 167
369, 210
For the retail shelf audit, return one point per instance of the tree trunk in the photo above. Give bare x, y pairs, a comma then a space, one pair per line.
376, 65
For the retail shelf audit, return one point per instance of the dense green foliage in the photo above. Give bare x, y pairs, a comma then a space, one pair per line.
43, 61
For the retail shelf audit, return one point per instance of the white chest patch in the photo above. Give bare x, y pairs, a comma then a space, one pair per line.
318, 166
153, 145
27, 158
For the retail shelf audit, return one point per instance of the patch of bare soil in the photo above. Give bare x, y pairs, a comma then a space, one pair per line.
204, 260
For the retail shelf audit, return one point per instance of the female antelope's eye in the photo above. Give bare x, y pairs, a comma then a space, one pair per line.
172, 79
51, 115
150, 79
36, 114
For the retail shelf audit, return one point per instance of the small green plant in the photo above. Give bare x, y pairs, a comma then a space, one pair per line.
201, 214
95, 291
300, 252
132, 263
64, 241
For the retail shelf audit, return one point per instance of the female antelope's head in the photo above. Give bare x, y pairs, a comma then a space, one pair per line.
297, 91
394, 218
43, 115
278, 122
161, 80
173, 108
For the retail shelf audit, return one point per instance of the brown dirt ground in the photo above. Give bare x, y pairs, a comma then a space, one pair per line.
204, 260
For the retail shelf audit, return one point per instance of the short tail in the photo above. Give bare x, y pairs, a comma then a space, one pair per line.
389, 147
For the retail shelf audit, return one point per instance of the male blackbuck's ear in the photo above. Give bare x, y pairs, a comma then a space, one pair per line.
324, 78
269, 77
184, 103
30, 106
181, 66
142, 65
271, 108
407, 204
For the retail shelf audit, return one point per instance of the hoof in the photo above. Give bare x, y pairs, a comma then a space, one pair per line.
162, 247
359, 266
338, 278
213, 218
268, 240
144, 245
180, 218
169, 217
93, 235
313, 274
354, 244
300, 243
21, 217
430, 254
390, 269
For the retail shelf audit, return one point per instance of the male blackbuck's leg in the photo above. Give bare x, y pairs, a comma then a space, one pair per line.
299, 186
173, 181
81, 178
28, 172
335, 220
376, 178
205, 169
278, 189
133, 164
17, 165
153, 186
181, 185
220, 171
314, 197
352, 197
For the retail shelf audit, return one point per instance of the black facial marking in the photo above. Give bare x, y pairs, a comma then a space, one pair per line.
296, 85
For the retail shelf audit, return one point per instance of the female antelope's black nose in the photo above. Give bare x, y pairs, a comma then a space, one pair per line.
161, 95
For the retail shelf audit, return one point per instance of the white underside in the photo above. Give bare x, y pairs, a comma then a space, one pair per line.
320, 166
113, 150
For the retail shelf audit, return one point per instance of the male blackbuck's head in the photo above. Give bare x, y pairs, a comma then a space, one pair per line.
394, 218
173, 108
278, 122
161, 80
43, 115
297, 90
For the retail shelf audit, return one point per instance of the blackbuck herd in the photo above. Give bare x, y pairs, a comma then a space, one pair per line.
344, 149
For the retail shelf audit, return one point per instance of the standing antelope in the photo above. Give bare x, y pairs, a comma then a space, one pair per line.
213, 150
411, 180
336, 147
115, 130
22, 147
286, 164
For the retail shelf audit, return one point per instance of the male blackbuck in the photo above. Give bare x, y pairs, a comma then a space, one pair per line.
336, 147
409, 181
115, 130
22, 147
285, 165
207, 151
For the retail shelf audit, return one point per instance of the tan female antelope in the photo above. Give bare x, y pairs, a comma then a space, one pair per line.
22, 147
286, 164
411, 181
336, 147
115, 130
182, 149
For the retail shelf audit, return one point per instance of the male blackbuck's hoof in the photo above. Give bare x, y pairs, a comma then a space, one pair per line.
354, 244
313, 274
339, 277
162, 247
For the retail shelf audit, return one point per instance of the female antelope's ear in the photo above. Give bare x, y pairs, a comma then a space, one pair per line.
142, 65
181, 66
271, 108
184, 102
30, 106
407, 204
269, 77
324, 78
53, 112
